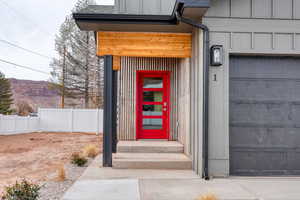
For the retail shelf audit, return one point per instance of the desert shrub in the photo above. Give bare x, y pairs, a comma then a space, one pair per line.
207, 197
78, 160
90, 151
24, 108
61, 173
23, 190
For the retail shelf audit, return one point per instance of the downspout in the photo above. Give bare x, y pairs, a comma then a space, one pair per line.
206, 58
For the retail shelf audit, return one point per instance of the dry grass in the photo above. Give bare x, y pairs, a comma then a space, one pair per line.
61, 174
90, 151
207, 197
78, 159
37, 156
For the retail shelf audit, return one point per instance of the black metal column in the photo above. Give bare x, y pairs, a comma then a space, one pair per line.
108, 112
115, 97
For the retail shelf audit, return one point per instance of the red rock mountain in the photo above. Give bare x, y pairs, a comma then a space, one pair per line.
36, 93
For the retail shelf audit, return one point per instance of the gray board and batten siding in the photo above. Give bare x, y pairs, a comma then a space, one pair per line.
244, 27
195, 133
146, 7
134, 7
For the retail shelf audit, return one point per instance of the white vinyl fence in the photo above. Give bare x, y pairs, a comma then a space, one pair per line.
10, 125
71, 120
54, 120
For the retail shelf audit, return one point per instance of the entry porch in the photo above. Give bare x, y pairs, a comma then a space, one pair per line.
153, 113
154, 85
151, 155
154, 97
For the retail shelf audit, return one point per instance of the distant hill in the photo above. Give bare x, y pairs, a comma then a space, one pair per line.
36, 93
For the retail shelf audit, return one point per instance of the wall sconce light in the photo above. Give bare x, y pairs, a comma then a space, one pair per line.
216, 55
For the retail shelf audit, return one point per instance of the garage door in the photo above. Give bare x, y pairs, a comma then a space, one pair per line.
264, 116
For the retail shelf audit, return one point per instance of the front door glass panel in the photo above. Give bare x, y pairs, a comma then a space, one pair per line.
152, 96
153, 124
153, 82
152, 110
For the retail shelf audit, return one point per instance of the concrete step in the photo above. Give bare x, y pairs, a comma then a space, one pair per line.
149, 147
151, 161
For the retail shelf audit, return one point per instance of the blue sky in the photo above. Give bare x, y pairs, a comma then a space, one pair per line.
31, 24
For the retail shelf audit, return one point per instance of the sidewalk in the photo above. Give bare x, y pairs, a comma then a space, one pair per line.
99, 183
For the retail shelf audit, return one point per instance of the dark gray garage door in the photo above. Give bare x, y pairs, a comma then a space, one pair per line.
264, 116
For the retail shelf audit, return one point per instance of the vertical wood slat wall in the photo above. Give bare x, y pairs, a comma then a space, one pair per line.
184, 104
127, 93
196, 102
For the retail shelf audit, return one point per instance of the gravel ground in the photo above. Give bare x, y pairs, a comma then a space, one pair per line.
54, 190
37, 157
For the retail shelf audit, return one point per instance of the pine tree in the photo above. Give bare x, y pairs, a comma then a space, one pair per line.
5, 96
77, 67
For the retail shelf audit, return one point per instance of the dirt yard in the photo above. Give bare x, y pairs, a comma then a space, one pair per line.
37, 156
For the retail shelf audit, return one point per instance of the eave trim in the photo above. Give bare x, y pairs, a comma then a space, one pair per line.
125, 19
110, 18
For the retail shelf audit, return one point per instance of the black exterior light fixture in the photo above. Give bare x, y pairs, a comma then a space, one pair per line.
216, 55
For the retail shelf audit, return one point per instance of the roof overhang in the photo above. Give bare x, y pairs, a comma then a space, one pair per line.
114, 21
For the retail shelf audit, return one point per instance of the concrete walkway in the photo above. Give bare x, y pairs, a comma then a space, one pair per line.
99, 183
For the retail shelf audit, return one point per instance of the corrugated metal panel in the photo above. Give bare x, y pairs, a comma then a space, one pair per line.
127, 93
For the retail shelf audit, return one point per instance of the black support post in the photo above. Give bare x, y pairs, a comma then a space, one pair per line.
115, 95
108, 112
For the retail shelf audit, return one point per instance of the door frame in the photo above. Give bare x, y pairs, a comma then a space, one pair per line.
138, 119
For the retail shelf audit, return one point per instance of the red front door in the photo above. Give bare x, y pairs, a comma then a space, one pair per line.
153, 104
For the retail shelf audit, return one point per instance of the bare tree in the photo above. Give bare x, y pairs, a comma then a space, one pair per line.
77, 70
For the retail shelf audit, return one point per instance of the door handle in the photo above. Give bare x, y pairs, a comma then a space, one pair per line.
165, 106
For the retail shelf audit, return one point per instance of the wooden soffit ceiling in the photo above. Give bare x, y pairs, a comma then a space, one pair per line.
141, 44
